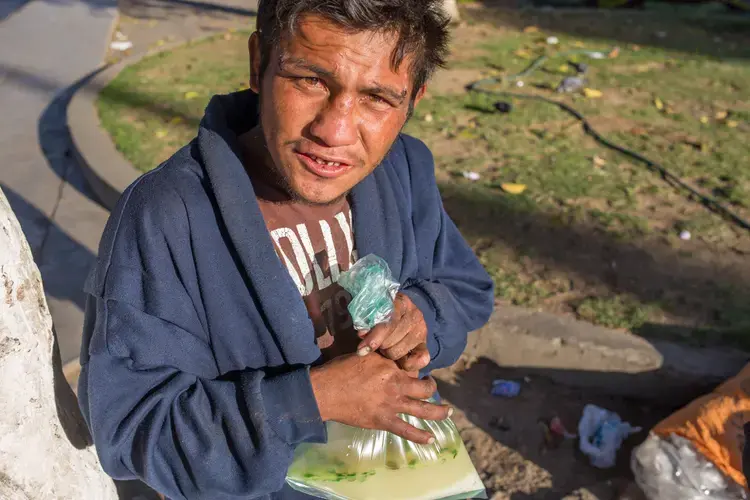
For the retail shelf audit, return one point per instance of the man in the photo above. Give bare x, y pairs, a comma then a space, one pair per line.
217, 339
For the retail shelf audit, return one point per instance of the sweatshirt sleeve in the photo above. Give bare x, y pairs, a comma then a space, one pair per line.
150, 389
453, 290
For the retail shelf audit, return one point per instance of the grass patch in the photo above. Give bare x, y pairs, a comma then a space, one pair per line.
594, 234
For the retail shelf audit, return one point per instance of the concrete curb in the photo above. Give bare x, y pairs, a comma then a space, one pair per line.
106, 170
580, 354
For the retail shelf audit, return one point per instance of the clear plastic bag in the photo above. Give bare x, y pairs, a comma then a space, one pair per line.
672, 469
602, 433
372, 288
364, 464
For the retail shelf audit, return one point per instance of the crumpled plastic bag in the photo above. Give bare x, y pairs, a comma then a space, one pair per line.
602, 433
372, 288
364, 464
672, 469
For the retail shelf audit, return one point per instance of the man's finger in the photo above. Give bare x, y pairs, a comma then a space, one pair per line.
374, 339
420, 389
426, 410
416, 360
403, 347
409, 432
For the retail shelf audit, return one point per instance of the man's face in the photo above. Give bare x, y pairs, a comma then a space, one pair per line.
331, 106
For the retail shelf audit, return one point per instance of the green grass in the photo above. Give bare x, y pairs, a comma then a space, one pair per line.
595, 234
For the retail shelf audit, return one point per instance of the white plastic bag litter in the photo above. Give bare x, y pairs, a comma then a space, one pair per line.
602, 433
672, 469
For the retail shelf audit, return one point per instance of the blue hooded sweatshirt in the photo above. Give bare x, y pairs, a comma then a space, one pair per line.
197, 344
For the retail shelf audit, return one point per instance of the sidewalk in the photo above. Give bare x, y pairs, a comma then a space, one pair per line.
45, 47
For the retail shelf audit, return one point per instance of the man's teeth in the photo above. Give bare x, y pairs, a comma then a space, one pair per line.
323, 162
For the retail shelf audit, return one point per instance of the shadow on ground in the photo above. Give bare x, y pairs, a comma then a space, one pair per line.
665, 25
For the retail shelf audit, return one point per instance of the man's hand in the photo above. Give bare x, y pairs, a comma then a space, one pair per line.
371, 391
403, 339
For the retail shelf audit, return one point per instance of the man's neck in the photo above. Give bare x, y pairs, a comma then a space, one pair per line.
259, 166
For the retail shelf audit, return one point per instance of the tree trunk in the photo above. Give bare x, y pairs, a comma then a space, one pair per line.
45, 451
451, 8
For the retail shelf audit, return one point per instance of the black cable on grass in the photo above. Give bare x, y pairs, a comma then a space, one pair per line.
671, 179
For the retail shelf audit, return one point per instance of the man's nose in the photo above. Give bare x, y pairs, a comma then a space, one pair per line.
335, 125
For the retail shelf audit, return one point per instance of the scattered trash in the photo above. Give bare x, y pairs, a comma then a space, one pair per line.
428, 118
161, 133
191, 95
732, 123
519, 83
557, 427
721, 115
121, 45
580, 68
552, 40
597, 55
578, 44
685, 235
658, 103
503, 106
531, 29
614, 53
571, 84
499, 423
472, 176
602, 433
505, 388
512, 188
523, 54
592, 93
704, 119
599, 162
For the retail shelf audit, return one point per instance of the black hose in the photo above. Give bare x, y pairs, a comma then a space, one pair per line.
673, 180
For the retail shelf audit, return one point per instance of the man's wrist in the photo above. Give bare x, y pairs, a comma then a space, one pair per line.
317, 380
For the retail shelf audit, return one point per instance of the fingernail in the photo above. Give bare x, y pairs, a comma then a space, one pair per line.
364, 351
450, 412
431, 440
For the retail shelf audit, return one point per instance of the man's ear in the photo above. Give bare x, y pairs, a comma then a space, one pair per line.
253, 49
420, 94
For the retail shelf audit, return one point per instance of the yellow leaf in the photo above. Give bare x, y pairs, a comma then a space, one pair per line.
159, 43
658, 103
578, 43
176, 120
563, 68
599, 161
531, 29
523, 54
511, 188
161, 133
732, 124
592, 93
704, 119
721, 115
191, 95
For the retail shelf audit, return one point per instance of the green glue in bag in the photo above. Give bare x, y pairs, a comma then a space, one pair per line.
365, 464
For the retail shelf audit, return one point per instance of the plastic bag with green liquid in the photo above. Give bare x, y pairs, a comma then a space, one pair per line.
364, 464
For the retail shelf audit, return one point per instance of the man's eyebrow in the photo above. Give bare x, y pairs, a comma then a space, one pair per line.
393, 94
299, 63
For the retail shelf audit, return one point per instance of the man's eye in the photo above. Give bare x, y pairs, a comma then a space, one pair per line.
376, 99
311, 81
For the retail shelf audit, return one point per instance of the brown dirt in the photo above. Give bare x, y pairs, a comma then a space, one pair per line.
506, 437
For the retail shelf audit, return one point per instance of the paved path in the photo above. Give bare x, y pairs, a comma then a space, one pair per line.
46, 46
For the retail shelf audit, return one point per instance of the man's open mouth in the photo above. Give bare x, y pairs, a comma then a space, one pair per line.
324, 167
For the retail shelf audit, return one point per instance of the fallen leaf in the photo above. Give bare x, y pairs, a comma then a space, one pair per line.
563, 68
704, 119
592, 93
227, 36
531, 29
578, 43
635, 48
161, 133
191, 95
721, 115
159, 43
658, 103
511, 188
176, 120
638, 131
614, 53
599, 161
732, 123
523, 54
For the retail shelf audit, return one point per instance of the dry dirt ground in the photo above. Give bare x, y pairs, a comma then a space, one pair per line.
509, 444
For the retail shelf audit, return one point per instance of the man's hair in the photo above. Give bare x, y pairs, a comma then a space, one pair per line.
421, 27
